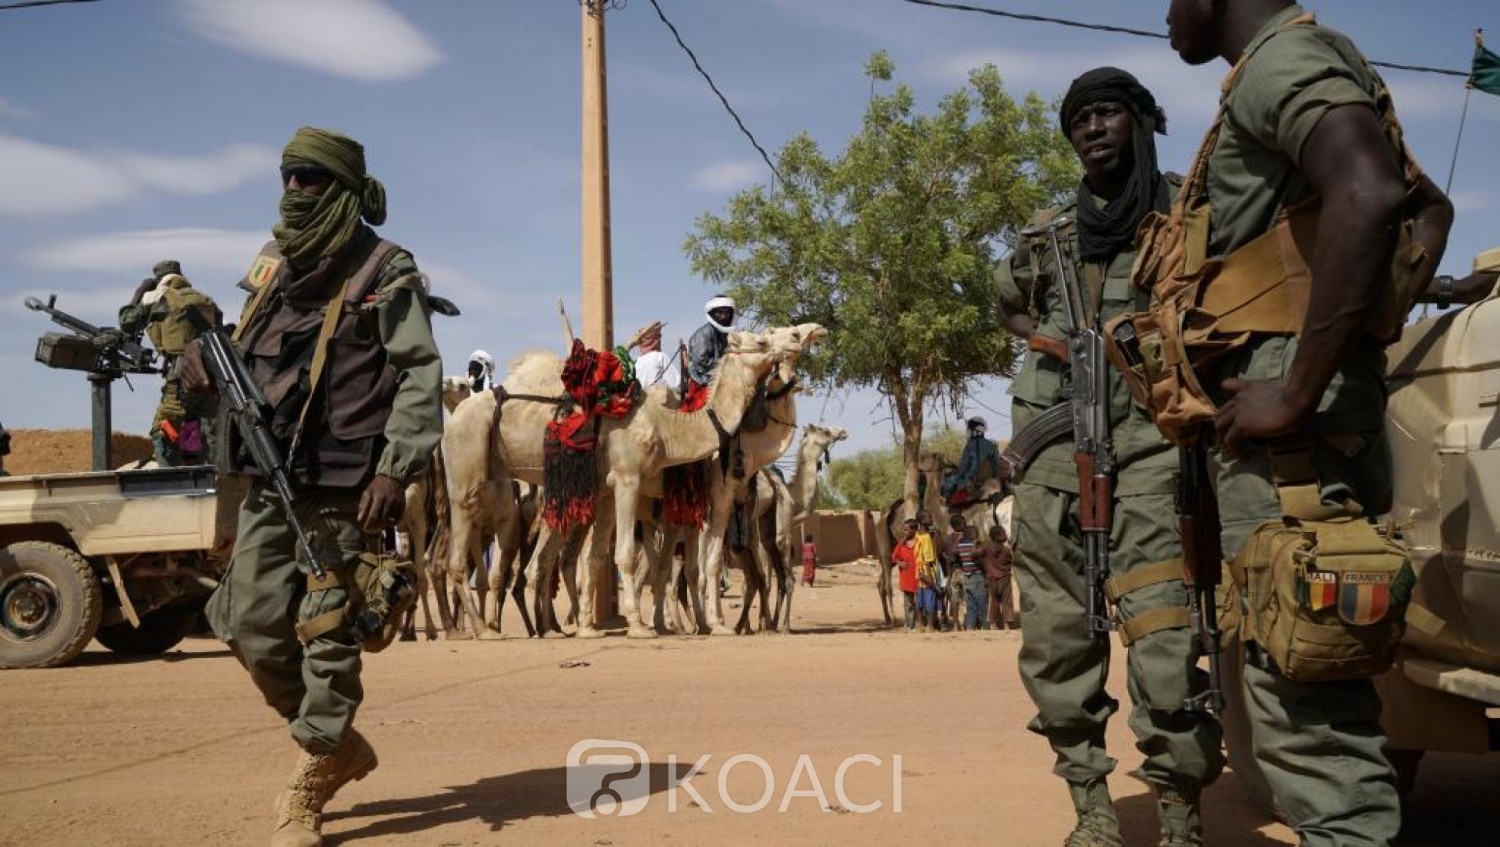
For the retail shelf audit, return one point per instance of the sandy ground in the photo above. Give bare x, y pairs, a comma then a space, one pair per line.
474, 739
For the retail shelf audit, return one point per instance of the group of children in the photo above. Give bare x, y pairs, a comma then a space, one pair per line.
936, 576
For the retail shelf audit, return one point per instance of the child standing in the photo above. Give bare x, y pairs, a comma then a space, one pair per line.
904, 557
809, 560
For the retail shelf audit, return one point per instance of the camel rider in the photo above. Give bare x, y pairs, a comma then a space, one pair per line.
180, 430
652, 366
332, 299
710, 341
481, 371
980, 462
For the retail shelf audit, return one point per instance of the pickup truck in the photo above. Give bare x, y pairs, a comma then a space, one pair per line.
1443, 424
128, 557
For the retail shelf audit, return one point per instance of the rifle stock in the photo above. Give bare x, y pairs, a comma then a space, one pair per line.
1202, 568
251, 415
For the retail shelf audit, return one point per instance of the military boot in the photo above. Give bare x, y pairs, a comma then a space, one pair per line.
1097, 824
314, 781
1181, 825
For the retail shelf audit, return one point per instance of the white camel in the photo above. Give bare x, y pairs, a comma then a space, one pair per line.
630, 450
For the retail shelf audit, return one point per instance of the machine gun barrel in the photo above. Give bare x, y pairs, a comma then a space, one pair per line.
119, 352
251, 415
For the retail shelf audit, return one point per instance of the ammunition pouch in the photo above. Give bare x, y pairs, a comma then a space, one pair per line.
1203, 309
1326, 600
382, 589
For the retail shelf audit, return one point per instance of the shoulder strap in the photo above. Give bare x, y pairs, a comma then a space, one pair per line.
344, 295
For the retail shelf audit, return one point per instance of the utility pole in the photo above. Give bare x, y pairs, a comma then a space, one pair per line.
598, 282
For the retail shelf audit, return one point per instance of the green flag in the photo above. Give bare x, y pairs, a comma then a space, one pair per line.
1485, 75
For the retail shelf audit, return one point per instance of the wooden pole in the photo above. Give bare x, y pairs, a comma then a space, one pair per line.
598, 283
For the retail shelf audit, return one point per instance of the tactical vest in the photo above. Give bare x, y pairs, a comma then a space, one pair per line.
172, 334
333, 421
1204, 309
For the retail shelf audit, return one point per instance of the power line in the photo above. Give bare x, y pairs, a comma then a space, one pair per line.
30, 3
1140, 33
722, 99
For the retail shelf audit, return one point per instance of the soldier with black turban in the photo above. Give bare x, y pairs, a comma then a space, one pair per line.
1111, 120
337, 335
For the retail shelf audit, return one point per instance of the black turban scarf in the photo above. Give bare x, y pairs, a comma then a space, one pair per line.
1105, 232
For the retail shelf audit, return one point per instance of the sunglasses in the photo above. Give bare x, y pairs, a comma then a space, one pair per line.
306, 175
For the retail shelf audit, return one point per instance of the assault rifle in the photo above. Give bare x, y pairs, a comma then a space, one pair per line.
1093, 452
103, 350
251, 415
1202, 567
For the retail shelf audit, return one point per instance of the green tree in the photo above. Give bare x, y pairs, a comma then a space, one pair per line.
870, 479
890, 243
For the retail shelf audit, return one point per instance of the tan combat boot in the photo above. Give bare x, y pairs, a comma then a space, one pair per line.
1097, 824
314, 781
1180, 822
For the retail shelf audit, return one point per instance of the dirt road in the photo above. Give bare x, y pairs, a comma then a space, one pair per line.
474, 739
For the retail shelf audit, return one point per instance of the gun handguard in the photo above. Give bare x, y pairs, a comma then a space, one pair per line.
1057, 348
251, 413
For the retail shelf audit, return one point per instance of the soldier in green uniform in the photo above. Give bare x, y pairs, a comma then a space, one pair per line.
1303, 118
357, 409
1110, 120
182, 427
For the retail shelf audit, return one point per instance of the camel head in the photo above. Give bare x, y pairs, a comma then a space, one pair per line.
818, 439
455, 391
754, 352
794, 342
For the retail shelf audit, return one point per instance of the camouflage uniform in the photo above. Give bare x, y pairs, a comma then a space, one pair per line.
1063, 667
177, 408
1320, 744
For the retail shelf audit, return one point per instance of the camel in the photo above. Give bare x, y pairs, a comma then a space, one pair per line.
756, 449
781, 508
631, 450
420, 526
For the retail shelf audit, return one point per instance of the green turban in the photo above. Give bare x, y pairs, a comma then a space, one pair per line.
314, 227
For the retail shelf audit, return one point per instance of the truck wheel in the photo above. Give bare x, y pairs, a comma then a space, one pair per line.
159, 631
1236, 723
50, 604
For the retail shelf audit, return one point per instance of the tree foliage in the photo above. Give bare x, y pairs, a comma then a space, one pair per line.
890, 243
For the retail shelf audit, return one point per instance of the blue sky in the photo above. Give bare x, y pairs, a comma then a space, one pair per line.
135, 130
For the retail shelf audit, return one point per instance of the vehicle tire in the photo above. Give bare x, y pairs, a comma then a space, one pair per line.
159, 631
50, 605
1236, 723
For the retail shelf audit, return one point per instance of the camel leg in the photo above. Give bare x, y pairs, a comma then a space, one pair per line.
656, 546
691, 574
627, 495
762, 562
539, 575
597, 546
712, 560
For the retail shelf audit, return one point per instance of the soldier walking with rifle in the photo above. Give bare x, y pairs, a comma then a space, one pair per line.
1094, 507
333, 379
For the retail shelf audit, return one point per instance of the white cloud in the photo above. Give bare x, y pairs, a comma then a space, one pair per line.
728, 176
221, 251
1190, 95
358, 39
209, 174
38, 179
43, 179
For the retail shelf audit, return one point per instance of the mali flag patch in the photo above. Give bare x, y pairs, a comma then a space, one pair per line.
1319, 590
1364, 597
263, 271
